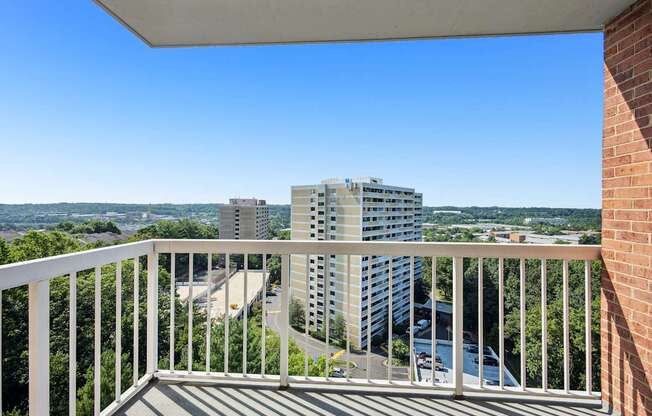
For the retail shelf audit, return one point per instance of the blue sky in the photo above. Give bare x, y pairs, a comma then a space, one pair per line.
89, 113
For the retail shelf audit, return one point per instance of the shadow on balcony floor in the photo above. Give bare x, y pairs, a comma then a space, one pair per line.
171, 398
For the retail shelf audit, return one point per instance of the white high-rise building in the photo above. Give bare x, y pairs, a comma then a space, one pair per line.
357, 209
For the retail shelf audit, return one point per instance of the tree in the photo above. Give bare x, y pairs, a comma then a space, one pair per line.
297, 314
400, 351
4, 252
338, 330
177, 229
591, 238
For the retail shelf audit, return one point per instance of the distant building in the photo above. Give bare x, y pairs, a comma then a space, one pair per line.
358, 209
550, 221
501, 234
516, 237
244, 219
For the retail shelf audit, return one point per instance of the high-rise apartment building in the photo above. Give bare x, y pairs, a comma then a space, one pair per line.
358, 209
244, 219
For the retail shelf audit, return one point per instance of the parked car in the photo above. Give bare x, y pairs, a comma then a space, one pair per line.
415, 330
338, 372
423, 324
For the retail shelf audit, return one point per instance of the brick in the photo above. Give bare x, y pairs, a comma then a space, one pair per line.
631, 193
643, 204
631, 169
617, 182
617, 161
641, 180
618, 203
628, 148
642, 227
632, 236
634, 215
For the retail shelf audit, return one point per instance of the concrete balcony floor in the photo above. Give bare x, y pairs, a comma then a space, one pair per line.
164, 398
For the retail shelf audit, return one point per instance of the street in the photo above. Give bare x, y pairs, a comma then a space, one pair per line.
314, 347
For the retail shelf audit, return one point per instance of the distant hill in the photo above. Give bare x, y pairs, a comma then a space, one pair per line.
134, 216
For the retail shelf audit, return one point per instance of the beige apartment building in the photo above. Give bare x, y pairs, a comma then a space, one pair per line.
244, 219
357, 209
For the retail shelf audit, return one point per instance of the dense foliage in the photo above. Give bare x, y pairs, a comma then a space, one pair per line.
577, 218
88, 227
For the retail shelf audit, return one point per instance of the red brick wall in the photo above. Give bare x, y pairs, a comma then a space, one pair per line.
626, 316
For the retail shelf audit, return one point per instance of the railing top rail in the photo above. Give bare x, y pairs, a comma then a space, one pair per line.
384, 248
18, 274
22, 273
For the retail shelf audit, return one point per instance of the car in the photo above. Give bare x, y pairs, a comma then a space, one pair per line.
338, 372
415, 330
423, 324
472, 348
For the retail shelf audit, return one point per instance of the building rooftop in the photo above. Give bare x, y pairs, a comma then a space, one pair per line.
248, 202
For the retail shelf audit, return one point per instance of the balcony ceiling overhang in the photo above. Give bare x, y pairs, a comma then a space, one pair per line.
169, 23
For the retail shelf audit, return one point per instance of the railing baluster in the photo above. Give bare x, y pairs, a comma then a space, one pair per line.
390, 317
566, 331
245, 314
152, 313
433, 317
136, 319
209, 292
118, 330
480, 321
191, 277
227, 275
411, 305
587, 323
39, 347
284, 321
501, 322
307, 316
348, 315
458, 324
369, 299
173, 293
522, 322
98, 338
544, 326
72, 346
327, 307
264, 318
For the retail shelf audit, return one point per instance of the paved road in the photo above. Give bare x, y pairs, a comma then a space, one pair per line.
314, 347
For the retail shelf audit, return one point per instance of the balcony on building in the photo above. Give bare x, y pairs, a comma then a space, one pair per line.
614, 377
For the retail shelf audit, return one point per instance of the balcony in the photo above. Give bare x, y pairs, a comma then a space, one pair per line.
202, 378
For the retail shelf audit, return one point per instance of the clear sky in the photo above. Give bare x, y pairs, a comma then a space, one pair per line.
89, 113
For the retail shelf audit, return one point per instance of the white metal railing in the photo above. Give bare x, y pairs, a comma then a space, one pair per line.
36, 275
